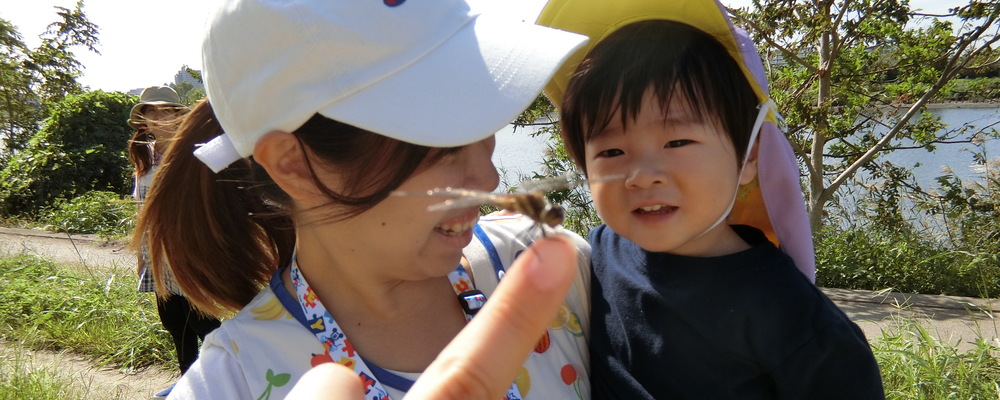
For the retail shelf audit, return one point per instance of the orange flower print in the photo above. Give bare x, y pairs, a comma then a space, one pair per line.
570, 377
543, 343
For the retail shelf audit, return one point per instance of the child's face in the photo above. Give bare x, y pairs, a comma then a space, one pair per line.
680, 175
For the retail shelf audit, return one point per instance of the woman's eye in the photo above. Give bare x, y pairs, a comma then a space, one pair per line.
677, 143
610, 153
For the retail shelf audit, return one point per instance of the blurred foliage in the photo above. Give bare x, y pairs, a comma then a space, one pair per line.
33, 79
80, 148
107, 214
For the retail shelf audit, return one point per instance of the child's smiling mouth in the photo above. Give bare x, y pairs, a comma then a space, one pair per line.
658, 209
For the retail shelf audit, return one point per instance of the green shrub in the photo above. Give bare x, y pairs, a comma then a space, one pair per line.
80, 148
107, 214
875, 257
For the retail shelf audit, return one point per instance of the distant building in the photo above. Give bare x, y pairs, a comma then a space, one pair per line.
182, 75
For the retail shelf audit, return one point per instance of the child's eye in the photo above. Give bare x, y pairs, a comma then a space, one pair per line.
677, 143
610, 153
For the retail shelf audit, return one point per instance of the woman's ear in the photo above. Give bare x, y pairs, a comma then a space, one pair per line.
284, 159
750, 169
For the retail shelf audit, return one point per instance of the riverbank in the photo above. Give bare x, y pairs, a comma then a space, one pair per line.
964, 104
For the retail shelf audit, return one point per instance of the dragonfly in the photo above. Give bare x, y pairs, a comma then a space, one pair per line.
528, 200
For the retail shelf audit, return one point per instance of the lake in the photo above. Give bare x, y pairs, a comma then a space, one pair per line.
518, 154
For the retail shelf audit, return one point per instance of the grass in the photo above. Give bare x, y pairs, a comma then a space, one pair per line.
100, 315
916, 364
22, 378
97, 314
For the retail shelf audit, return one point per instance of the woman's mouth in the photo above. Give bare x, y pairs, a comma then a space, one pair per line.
457, 227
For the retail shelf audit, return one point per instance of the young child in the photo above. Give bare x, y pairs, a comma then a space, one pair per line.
702, 274
154, 120
275, 201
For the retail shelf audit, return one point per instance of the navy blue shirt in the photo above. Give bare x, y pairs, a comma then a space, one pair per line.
747, 325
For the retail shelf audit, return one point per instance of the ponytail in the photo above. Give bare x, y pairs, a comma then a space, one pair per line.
221, 235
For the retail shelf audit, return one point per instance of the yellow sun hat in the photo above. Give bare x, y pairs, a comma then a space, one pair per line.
599, 18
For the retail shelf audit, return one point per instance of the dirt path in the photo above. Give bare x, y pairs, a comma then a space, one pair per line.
106, 382
90, 252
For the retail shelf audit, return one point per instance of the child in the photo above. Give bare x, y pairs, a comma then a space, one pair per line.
316, 111
154, 120
688, 304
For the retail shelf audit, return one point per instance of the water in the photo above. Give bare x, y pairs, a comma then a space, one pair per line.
518, 154
956, 157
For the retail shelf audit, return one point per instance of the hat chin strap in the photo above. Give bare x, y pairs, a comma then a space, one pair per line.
764, 108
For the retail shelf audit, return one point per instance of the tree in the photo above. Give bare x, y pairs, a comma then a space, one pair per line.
32, 80
19, 107
188, 93
850, 76
81, 147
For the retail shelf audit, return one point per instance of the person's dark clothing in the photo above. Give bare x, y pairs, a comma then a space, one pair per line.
185, 326
747, 325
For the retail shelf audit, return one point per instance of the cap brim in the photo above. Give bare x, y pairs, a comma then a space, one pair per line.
466, 89
133, 115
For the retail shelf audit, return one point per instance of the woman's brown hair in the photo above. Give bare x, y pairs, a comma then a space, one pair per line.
224, 235
140, 153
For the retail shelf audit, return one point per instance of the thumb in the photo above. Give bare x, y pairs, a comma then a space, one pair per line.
328, 381
482, 361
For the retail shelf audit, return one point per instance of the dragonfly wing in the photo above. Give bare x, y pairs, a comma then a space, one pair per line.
564, 181
459, 202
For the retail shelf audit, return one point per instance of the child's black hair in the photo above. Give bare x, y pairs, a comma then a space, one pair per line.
663, 56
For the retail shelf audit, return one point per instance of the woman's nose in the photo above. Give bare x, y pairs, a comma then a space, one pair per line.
481, 173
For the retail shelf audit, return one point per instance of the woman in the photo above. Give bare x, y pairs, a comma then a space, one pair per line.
154, 119
317, 111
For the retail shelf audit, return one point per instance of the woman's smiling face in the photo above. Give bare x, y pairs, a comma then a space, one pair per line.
425, 243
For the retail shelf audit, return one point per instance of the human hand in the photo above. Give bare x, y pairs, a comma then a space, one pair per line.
483, 359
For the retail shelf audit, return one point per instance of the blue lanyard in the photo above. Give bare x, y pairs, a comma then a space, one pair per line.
328, 332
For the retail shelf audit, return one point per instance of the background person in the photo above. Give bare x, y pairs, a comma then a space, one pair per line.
155, 120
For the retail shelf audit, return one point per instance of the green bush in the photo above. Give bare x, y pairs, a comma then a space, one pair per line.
80, 148
875, 257
107, 214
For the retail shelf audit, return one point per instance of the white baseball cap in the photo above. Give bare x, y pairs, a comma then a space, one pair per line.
428, 72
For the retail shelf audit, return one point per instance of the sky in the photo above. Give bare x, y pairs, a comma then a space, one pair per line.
146, 42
